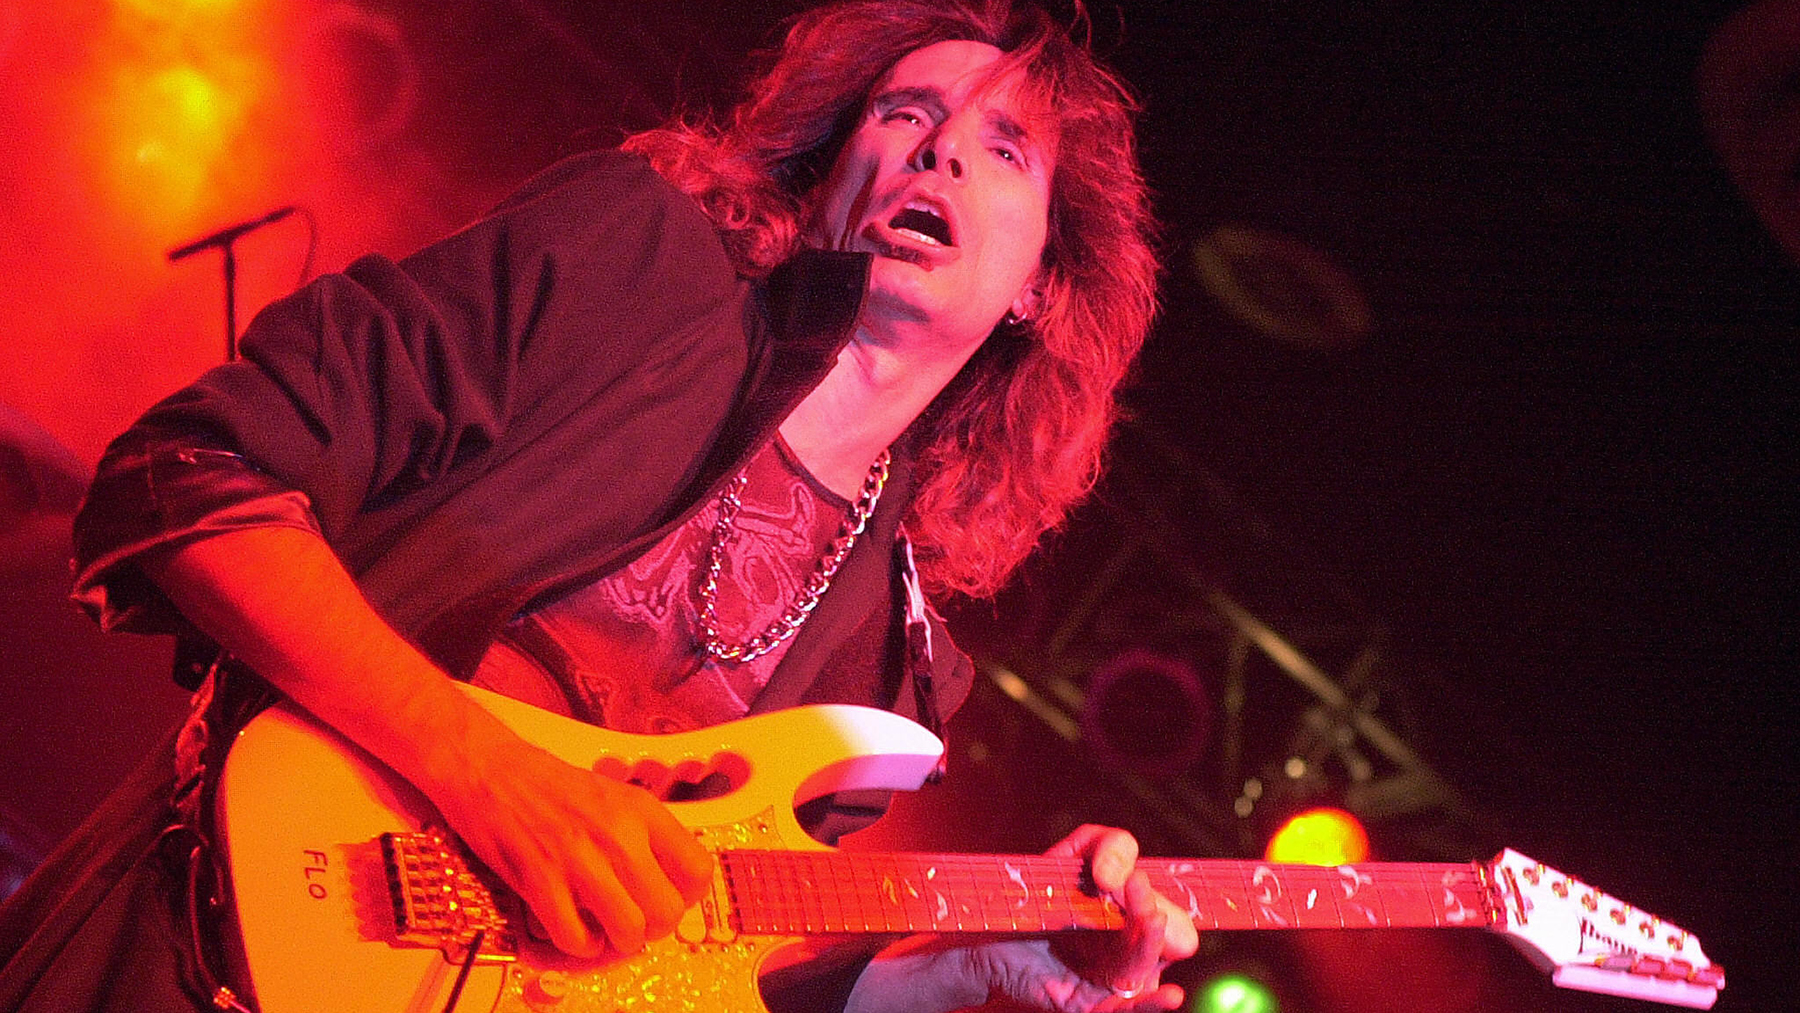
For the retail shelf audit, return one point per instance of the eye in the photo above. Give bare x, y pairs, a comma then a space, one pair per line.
904, 115
1012, 154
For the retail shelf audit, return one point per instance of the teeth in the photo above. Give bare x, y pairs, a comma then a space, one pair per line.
922, 222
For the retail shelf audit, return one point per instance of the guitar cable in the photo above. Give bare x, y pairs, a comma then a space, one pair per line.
462, 975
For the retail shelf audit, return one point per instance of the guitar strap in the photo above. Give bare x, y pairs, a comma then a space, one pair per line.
227, 697
919, 655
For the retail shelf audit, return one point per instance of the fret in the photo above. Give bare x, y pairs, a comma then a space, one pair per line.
895, 891
1364, 901
1322, 897
785, 897
1312, 898
936, 913
870, 915
1455, 899
806, 887
1222, 896
966, 889
1014, 900
744, 886
962, 880
1051, 898
1270, 906
991, 904
913, 887
1408, 901
796, 894
947, 898
827, 885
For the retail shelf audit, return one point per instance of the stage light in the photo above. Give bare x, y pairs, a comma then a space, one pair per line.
173, 9
1147, 713
1320, 837
1235, 993
170, 129
173, 94
1284, 287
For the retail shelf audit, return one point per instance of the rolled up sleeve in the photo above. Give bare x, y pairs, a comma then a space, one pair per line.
153, 496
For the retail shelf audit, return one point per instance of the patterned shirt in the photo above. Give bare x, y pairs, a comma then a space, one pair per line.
624, 651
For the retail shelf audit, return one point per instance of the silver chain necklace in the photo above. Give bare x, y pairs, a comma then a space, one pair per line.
730, 501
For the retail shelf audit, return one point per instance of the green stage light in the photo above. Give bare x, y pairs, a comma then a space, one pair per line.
1235, 993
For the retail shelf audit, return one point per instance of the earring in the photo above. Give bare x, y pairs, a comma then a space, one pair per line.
1024, 307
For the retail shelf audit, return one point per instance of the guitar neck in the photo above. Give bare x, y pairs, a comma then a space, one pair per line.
809, 892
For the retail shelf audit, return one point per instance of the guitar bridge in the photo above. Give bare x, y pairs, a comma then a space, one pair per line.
439, 903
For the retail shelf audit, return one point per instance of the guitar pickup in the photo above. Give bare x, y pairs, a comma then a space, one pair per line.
439, 902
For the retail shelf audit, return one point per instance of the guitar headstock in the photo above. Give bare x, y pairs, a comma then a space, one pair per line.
1596, 942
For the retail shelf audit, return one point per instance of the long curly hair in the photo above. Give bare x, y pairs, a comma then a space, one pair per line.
1016, 440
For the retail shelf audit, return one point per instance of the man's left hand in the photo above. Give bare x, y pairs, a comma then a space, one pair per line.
1094, 973
1079, 973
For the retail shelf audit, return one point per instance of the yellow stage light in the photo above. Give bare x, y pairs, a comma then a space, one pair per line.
1320, 837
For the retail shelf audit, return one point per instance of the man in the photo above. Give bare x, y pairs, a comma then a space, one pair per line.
594, 451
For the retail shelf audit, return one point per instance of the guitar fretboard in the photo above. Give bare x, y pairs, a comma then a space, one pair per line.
811, 892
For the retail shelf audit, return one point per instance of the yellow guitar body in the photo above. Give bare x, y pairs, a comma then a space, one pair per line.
301, 809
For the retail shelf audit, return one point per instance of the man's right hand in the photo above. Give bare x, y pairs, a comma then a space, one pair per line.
603, 864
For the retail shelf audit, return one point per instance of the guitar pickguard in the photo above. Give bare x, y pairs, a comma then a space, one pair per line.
668, 976
705, 967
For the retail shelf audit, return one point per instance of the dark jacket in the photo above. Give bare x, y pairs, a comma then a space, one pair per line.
515, 410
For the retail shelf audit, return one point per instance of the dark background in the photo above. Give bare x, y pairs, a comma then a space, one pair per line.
1547, 499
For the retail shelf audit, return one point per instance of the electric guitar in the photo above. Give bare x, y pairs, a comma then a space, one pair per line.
349, 899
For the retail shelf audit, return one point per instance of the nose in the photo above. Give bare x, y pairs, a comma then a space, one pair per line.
928, 160
941, 150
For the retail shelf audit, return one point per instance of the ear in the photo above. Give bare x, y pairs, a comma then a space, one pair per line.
1030, 300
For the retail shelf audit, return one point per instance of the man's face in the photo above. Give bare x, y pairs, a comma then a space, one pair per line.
946, 180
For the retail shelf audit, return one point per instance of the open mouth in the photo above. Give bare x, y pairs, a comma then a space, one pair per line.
923, 223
